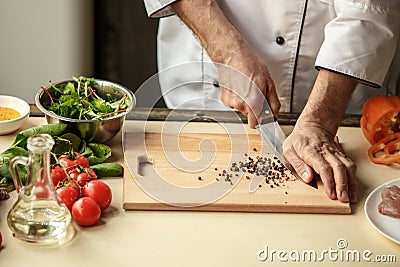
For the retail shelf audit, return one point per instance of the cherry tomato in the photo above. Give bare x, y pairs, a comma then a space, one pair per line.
65, 162
85, 211
98, 191
76, 160
91, 173
68, 195
58, 175
81, 160
73, 173
72, 183
82, 178
380, 117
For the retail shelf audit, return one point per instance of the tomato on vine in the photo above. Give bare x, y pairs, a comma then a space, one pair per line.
65, 162
98, 191
92, 175
70, 160
68, 195
72, 183
82, 175
82, 178
79, 189
81, 160
58, 175
85, 211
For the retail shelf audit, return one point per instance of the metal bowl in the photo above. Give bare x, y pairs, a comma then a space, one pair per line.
91, 130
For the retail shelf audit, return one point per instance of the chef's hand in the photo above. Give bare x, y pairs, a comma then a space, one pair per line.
244, 80
312, 145
311, 148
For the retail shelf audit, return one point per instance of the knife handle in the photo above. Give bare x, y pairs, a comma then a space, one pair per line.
266, 115
268, 120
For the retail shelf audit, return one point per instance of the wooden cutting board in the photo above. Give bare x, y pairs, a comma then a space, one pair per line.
194, 172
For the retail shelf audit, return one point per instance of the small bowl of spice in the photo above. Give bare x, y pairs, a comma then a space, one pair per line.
13, 113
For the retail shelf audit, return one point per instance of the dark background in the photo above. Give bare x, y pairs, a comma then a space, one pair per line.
125, 43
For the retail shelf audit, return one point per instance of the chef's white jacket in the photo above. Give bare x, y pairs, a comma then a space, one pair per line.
294, 38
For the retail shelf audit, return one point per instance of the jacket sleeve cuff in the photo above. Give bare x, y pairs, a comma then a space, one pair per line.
159, 8
360, 41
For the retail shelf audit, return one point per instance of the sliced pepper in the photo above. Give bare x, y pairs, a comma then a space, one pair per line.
380, 117
386, 151
392, 148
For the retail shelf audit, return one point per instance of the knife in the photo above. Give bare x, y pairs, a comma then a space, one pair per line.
273, 136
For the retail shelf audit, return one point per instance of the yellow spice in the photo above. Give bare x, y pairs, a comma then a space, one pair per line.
8, 114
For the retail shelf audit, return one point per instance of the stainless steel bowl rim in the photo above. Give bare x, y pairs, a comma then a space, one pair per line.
100, 81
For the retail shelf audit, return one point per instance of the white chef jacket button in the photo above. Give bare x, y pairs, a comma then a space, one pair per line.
216, 83
280, 40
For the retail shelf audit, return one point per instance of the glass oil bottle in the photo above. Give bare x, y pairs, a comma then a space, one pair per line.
38, 215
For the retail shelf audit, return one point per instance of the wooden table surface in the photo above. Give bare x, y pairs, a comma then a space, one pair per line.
186, 238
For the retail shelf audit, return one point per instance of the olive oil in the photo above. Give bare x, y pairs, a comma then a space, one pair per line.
38, 216
39, 221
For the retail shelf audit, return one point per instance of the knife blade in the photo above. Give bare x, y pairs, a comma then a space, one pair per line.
273, 136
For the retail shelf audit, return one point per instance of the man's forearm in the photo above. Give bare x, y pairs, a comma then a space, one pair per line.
218, 36
328, 100
243, 78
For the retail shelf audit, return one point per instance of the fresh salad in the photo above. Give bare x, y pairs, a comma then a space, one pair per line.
82, 99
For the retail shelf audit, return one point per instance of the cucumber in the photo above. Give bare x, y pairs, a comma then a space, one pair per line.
108, 169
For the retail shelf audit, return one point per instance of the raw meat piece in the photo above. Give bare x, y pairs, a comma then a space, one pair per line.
390, 204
